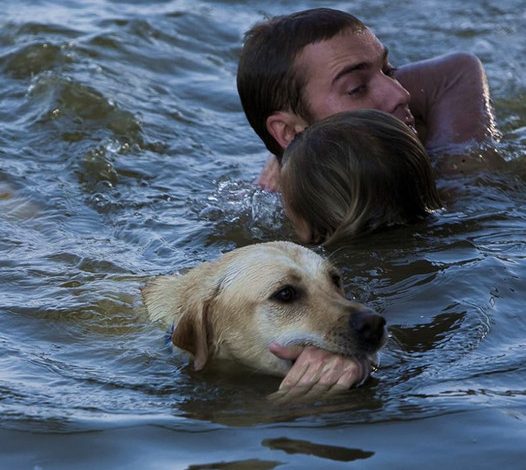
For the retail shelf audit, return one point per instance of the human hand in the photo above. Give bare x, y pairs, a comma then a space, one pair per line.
317, 372
269, 177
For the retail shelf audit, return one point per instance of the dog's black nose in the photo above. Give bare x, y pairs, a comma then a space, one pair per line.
368, 326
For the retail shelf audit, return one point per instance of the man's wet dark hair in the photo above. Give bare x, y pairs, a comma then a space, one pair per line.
267, 80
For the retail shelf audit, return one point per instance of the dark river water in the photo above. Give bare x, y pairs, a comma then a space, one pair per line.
124, 154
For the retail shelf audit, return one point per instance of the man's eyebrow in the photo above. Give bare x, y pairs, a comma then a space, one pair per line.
360, 66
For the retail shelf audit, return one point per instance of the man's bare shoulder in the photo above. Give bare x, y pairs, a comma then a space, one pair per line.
450, 100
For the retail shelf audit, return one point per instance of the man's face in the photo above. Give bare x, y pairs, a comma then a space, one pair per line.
351, 71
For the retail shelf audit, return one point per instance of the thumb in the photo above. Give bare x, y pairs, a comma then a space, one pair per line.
290, 353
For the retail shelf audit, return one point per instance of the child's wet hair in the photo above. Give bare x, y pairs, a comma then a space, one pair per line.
355, 172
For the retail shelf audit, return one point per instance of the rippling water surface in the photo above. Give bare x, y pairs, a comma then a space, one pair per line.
124, 154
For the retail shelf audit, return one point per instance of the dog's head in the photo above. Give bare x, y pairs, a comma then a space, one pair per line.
233, 308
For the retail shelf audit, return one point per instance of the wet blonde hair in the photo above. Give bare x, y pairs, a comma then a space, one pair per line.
355, 172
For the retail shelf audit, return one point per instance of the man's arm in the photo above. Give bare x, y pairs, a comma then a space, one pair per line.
449, 99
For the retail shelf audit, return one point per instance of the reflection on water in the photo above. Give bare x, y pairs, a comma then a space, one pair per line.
295, 446
124, 154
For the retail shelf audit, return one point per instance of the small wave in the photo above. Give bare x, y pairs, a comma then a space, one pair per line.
243, 212
35, 58
75, 106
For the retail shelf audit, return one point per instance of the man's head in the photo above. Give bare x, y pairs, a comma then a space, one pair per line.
297, 69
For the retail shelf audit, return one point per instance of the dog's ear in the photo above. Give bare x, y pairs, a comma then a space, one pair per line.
194, 334
184, 301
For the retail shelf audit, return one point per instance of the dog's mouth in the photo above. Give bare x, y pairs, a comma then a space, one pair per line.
369, 352
361, 337
349, 344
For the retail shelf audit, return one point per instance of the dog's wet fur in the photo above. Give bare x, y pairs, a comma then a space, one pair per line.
234, 307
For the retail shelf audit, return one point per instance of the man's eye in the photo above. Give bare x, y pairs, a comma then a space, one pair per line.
359, 90
389, 71
286, 294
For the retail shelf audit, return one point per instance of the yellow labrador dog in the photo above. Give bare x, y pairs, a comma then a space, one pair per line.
233, 308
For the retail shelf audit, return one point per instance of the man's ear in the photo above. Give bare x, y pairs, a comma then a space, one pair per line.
283, 126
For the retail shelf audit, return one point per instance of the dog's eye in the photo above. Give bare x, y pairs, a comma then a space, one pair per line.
286, 294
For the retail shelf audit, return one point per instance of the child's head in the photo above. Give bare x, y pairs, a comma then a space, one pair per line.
355, 172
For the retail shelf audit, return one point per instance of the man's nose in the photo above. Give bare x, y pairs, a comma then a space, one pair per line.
393, 97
